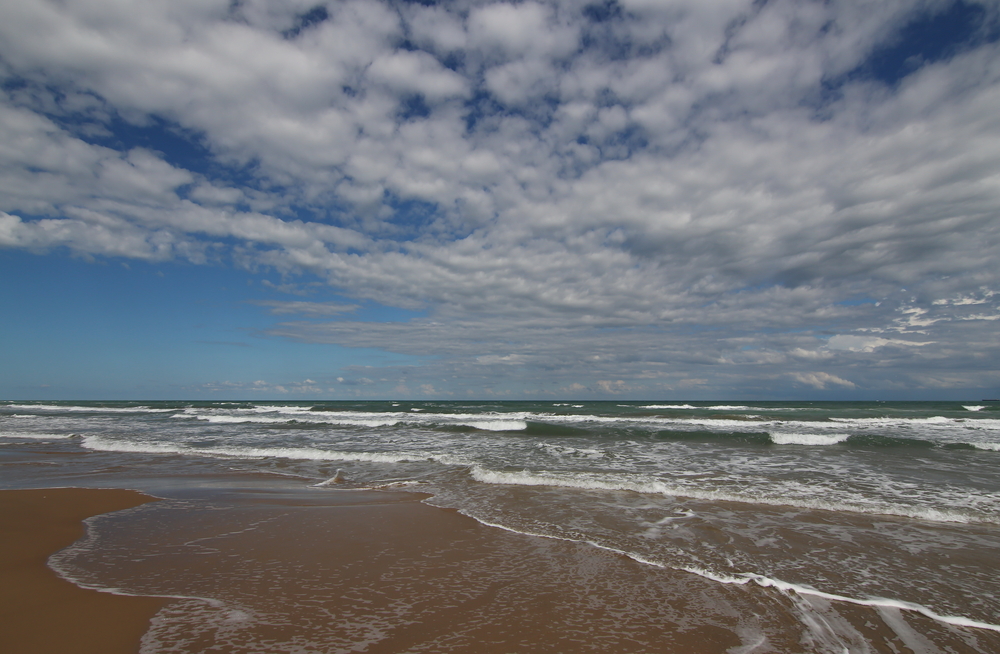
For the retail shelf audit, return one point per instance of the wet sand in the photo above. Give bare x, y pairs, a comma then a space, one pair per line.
41, 613
382, 573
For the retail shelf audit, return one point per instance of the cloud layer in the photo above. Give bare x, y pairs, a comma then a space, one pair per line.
623, 197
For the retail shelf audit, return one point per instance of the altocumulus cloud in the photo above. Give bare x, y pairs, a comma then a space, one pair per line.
625, 197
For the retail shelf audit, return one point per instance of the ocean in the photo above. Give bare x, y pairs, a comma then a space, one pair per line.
827, 508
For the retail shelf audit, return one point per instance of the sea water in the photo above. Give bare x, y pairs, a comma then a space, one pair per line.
893, 505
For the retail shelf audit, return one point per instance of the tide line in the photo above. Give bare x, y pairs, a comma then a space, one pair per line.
786, 587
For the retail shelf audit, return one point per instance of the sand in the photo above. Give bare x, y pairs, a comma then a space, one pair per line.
41, 613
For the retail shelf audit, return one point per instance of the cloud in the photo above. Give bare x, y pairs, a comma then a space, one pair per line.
820, 380
685, 190
869, 343
613, 387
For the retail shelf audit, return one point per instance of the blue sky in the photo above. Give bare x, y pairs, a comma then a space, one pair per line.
625, 199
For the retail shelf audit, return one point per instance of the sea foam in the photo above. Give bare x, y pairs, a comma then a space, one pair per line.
807, 439
590, 481
786, 587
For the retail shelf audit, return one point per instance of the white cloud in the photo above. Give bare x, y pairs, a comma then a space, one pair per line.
675, 168
522, 29
417, 72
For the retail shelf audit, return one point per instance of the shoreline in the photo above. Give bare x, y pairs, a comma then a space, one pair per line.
40, 611
386, 572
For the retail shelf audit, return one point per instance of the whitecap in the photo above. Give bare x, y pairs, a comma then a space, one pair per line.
87, 409
807, 439
664, 406
496, 425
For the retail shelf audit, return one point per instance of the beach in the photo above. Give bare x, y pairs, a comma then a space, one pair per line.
41, 612
294, 548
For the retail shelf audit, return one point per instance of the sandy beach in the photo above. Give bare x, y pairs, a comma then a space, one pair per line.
42, 613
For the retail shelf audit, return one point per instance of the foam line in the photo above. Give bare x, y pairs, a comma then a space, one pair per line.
786, 587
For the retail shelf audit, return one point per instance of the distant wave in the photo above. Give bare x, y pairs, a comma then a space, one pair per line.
483, 422
85, 409
662, 406
318, 420
713, 407
795, 438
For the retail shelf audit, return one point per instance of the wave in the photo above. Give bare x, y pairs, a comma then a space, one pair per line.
932, 420
86, 409
808, 439
715, 407
839, 438
496, 425
542, 424
319, 420
487, 421
103, 444
661, 406
978, 407
278, 408
589, 481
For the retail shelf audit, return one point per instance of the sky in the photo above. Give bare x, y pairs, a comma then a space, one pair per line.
627, 199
